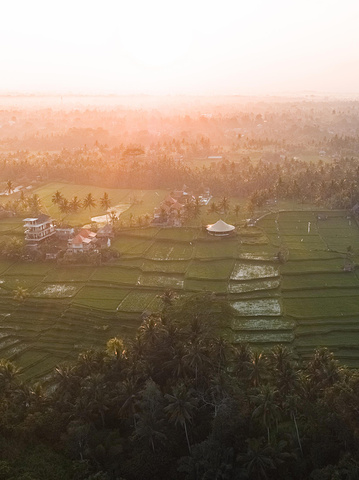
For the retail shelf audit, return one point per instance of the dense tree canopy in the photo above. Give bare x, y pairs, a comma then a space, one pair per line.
179, 401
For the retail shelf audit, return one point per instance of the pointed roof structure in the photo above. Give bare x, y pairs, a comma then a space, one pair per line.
105, 231
79, 240
86, 233
220, 228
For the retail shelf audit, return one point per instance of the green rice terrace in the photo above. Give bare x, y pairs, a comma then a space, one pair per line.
309, 300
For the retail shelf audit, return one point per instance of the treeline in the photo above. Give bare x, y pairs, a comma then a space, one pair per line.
330, 185
32, 204
180, 402
334, 184
276, 122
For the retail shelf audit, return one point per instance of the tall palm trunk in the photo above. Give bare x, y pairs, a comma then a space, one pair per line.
185, 429
296, 429
102, 418
153, 445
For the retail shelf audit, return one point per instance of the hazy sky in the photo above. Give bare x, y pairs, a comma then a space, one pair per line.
179, 47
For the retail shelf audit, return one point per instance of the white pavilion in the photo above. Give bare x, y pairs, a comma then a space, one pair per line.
220, 228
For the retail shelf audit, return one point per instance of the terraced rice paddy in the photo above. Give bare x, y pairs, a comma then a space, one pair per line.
306, 302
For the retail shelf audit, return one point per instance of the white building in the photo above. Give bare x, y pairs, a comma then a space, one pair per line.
38, 229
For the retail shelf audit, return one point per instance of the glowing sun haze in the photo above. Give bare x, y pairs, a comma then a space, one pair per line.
182, 47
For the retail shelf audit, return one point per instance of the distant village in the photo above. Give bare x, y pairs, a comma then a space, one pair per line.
69, 242
172, 211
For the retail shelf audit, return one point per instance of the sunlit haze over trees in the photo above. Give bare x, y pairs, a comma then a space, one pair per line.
179, 240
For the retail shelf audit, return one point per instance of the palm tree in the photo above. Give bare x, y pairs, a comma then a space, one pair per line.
279, 357
323, 370
176, 366
213, 207
196, 207
256, 368
250, 208
20, 293
115, 346
75, 205
220, 349
94, 396
136, 364
291, 405
163, 215
224, 204
177, 216
287, 380
14, 248
64, 206
8, 374
242, 356
148, 427
150, 419
80, 432
23, 200
151, 329
113, 217
267, 410
258, 459
89, 362
128, 395
9, 187
196, 358
283, 371
89, 202
28, 396
105, 201
171, 334
168, 297
131, 219
180, 408
35, 204
57, 197
67, 384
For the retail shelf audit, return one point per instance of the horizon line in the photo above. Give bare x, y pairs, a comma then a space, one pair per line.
172, 95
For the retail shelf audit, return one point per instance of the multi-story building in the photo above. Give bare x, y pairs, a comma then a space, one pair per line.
37, 229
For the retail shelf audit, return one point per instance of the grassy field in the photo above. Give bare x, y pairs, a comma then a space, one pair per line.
307, 301
132, 202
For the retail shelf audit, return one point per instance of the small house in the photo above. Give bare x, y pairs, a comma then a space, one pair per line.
83, 242
65, 233
105, 235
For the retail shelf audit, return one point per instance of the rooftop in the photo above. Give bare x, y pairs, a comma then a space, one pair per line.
42, 218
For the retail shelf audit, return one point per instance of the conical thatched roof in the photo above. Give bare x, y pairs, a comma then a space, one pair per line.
220, 227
